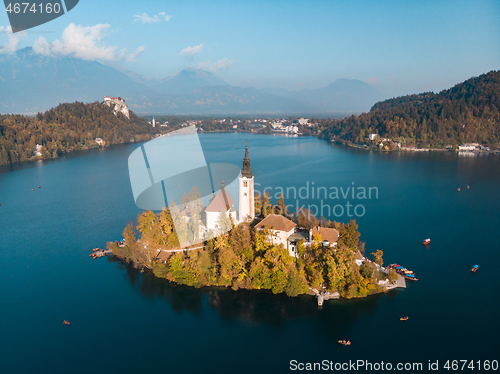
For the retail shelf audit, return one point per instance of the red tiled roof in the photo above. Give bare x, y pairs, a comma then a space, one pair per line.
276, 222
220, 204
326, 233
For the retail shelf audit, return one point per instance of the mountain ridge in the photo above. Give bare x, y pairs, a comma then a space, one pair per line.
33, 83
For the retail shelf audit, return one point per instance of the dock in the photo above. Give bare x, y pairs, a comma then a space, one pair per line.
400, 282
325, 295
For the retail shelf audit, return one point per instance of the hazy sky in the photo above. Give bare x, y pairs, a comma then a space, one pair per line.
397, 46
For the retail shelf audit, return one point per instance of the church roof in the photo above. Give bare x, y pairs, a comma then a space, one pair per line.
276, 222
247, 171
222, 202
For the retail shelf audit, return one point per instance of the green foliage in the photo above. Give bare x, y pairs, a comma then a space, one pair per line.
466, 113
349, 235
68, 127
378, 257
244, 258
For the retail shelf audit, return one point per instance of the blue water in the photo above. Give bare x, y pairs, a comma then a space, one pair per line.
123, 321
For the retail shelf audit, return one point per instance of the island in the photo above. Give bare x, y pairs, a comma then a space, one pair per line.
261, 247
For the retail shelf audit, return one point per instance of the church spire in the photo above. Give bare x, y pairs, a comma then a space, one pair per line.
246, 172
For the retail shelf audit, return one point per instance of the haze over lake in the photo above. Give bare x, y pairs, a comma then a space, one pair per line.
124, 321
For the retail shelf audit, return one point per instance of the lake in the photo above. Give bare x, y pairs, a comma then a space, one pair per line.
123, 321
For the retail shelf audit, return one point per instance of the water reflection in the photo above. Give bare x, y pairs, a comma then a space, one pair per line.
260, 307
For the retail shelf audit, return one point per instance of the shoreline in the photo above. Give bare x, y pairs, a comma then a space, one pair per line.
377, 149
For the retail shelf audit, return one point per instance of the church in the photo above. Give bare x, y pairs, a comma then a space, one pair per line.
223, 202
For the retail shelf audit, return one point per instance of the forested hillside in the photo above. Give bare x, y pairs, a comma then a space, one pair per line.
66, 128
466, 113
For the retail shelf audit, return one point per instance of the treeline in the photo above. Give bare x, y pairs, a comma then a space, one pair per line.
243, 258
66, 128
467, 113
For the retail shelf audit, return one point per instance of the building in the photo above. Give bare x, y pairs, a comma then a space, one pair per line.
99, 141
246, 207
222, 203
468, 147
372, 136
280, 228
303, 121
38, 150
118, 105
329, 236
359, 258
294, 239
153, 122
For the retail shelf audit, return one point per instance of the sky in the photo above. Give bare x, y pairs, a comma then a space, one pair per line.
399, 47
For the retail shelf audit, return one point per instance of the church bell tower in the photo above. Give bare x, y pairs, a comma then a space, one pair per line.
246, 201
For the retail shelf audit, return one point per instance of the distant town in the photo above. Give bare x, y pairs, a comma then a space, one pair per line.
287, 126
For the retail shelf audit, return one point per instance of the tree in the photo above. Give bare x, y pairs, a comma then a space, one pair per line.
267, 207
393, 276
281, 208
145, 222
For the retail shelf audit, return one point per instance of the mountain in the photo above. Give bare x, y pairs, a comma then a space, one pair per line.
228, 100
32, 83
466, 113
343, 95
186, 81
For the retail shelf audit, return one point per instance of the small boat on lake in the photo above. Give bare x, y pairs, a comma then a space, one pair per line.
411, 277
405, 318
404, 272
343, 342
458, 189
66, 323
427, 241
475, 268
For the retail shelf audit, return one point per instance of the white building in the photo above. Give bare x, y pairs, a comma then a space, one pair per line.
280, 228
329, 236
222, 203
153, 122
99, 141
468, 147
246, 207
303, 121
38, 150
372, 136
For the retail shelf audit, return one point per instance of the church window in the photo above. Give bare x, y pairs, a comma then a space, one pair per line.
245, 184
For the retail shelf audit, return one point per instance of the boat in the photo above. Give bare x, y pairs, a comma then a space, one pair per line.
427, 241
66, 323
475, 268
32, 189
343, 342
458, 189
467, 187
39, 187
405, 318
411, 277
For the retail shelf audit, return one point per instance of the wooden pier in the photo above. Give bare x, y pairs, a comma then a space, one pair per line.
325, 295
